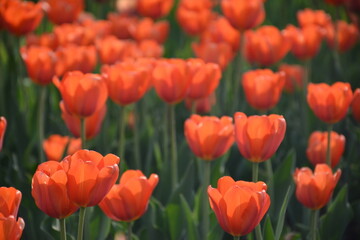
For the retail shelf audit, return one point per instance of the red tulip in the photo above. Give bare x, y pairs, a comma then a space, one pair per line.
54, 146
209, 137
90, 176
154, 8
202, 105
346, 37
294, 76
314, 190
44, 40
69, 34
128, 200
64, 11
101, 28
239, 206
3, 124
258, 137
111, 49
147, 29
48, 188
150, 49
10, 199
355, 105
313, 17
329, 103
10, 228
120, 25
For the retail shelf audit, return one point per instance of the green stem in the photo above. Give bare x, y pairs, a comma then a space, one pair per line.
81, 223
206, 183
255, 171
238, 71
270, 176
129, 232
314, 220
236, 237
307, 66
174, 166
258, 232
83, 133
328, 149
62, 229
166, 134
41, 121
122, 125
136, 139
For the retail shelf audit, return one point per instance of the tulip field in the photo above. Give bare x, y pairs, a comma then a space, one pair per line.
180, 119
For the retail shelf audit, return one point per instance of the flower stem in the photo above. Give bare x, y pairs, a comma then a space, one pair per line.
238, 71
81, 223
136, 139
122, 125
314, 219
328, 149
255, 171
62, 229
270, 177
83, 133
129, 231
166, 134
41, 121
307, 66
174, 170
236, 237
205, 212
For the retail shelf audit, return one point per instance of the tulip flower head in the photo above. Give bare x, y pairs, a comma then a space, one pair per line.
209, 137
294, 76
64, 11
54, 146
314, 190
355, 105
313, 17
154, 8
3, 124
258, 137
239, 206
329, 103
202, 105
147, 29
128, 200
344, 37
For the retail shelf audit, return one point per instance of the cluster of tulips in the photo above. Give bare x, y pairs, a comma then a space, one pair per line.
121, 58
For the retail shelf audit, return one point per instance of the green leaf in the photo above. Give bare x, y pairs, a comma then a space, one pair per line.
268, 229
280, 221
339, 214
174, 221
192, 233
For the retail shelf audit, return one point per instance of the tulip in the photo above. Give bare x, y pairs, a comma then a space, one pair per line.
209, 137
194, 16
329, 103
313, 17
3, 124
44, 40
258, 137
10, 228
314, 190
54, 147
64, 11
294, 76
10, 199
21, 17
343, 36
243, 14
120, 25
263, 88
147, 29
355, 105
202, 105
154, 8
111, 49
205, 78
83, 94
239, 206
69, 34
49, 190
150, 49
128, 200
101, 28
92, 123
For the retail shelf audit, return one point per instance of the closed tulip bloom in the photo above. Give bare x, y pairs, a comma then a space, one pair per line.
258, 137
69, 34
40, 63
202, 105
150, 49
244, 14
355, 105
10, 228
329, 103
347, 35
48, 188
266, 46
90, 176
111, 49
171, 80
3, 124
294, 76
239, 206
263, 88
54, 146
45, 40
209, 137
317, 147
21, 17
313, 17
128, 200
154, 8
120, 24
10, 199
127, 81
64, 11
147, 29
83, 94
314, 190
194, 16
92, 123
205, 78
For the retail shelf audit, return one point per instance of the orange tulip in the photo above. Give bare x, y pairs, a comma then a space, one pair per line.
45, 40
147, 29
90, 176
55, 145
263, 88
205, 78
64, 11
83, 94
346, 35
313, 17
317, 147
21, 17
294, 76
120, 25
154, 8
111, 49
194, 16
265, 46
92, 123
48, 188
3, 124
10, 228
10, 199
40, 63
243, 14
305, 42
314, 190
202, 105
355, 105
239, 206
127, 81
128, 200
101, 28
150, 49
258, 137
171, 80
68, 34
329, 103
209, 137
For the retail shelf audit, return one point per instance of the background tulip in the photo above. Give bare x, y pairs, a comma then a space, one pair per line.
343, 36
355, 105
294, 76
10, 199
54, 146
154, 8
3, 124
64, 11
10, 228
